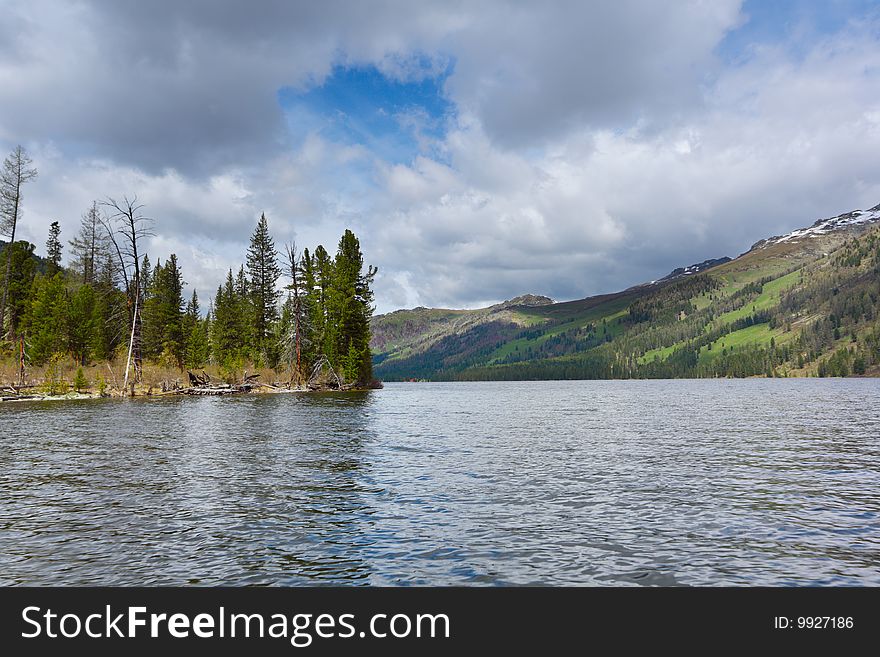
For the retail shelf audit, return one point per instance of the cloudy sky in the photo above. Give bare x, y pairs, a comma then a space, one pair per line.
480, 150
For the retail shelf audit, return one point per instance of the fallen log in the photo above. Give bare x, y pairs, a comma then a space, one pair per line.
224, 389
324, 377
17, 388
198, 380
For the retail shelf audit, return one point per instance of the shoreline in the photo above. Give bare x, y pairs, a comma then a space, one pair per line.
216, 391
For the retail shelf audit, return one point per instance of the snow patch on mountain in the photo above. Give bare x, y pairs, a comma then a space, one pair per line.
825, 226
681, 272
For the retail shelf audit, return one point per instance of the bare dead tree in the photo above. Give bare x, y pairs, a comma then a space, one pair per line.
295, 341
21, 361
16, 171
88, 245
293, 265
126, 227
323, 373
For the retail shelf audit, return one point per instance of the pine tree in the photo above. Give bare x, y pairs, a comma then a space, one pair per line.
151, 335
146, 278
351, 363
202, 349
312, 312
245, 317
351, 307
173, 305
111, 310
218, 315
285, 337
196, 330
46, 321
226, 327
163, 331
22, 272
81, 324
263, 272
106, 271
53, 249
80, 382
325, 329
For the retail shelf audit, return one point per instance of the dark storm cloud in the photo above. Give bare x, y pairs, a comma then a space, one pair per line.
532, 73
187, 85
193, 85
590, 145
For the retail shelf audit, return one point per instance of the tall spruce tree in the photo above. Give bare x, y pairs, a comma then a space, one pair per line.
263, 274
163, 331
196, 331
226, 327
146, 278
311, 310
351, 306
53, 249
151, 332
245, 315
322, 322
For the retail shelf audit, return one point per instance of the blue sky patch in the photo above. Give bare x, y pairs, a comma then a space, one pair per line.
396, 120
778, 21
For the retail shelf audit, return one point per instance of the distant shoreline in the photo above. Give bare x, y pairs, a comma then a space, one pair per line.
227, 390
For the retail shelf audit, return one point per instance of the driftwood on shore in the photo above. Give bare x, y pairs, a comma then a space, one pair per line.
20, 397
324, 377
17, 394
196, 380
200, 384
214, 390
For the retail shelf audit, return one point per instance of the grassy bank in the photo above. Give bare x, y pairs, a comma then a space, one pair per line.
65, 378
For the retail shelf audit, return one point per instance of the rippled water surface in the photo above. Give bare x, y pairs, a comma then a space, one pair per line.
608, 482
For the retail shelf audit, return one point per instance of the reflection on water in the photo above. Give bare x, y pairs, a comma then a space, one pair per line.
641, 482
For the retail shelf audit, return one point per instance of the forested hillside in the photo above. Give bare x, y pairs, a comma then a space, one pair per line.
804, 304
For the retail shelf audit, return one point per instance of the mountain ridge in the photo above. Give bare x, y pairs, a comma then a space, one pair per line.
845, 221
531, 332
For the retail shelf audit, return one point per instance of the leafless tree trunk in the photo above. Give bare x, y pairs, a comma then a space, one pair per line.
126, 227
16, 171
88, 245
21, 361
295, 286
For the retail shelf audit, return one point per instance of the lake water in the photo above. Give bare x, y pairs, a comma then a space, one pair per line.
773, 482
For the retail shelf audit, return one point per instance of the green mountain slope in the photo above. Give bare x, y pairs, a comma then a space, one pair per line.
802, 304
